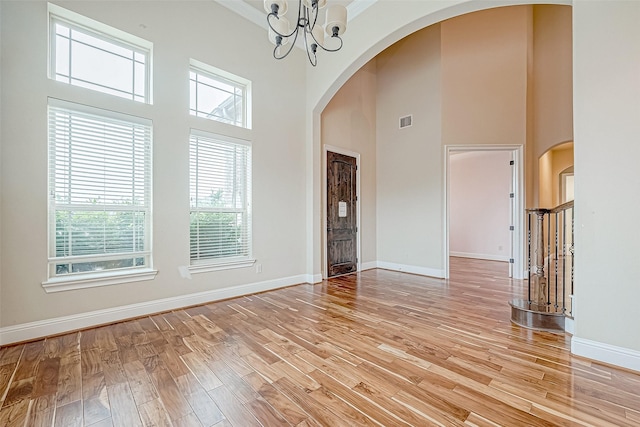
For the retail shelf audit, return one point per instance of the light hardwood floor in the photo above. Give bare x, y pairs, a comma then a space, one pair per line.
376, 348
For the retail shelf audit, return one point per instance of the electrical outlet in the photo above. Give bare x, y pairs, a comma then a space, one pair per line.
258, 268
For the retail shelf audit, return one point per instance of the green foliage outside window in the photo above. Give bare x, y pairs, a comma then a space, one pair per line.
81, 233
215, 234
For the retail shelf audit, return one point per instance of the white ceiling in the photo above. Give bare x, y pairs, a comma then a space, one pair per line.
259, 4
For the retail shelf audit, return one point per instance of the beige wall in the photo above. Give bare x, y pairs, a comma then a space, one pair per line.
551, 165
551, 86
562, 160
409, 168
484, 77
545, 181
552, 77
607, 131
349, 122
1, 109
277, 138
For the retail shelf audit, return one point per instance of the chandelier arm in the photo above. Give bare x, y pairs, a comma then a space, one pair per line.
313, 60
307, 20
315, 17
293, 43
331, 50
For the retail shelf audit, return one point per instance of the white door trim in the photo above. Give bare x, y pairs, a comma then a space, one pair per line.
338, 150
519, 229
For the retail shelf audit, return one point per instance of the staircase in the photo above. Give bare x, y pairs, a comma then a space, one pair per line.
548, 303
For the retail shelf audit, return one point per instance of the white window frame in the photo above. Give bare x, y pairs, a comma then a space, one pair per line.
77, 22
78, 280
222, 263
200, 68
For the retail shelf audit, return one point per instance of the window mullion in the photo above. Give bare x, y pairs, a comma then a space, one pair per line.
133, 75
196, 201
134, 218
69, 182
69, 73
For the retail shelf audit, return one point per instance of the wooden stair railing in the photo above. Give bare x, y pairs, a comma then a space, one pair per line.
550, 266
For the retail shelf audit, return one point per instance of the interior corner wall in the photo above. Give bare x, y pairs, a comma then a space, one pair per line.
479, 205
349, 122
410, 166
179, 30
607, 130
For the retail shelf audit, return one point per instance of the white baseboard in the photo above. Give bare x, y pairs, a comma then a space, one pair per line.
488, 257
368, 265
314, 278
569, 325
59, 325
423, 271
606, 353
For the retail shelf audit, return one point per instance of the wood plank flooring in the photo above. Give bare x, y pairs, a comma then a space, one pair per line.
379, 348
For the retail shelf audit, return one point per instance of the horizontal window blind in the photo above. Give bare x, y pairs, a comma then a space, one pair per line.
99, 191
220, 176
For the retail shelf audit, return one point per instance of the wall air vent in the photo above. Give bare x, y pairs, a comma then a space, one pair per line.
406, 121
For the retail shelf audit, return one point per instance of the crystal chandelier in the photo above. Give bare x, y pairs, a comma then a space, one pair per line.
281, 34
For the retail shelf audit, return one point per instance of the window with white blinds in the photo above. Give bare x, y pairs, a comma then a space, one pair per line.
220, 189
99, 190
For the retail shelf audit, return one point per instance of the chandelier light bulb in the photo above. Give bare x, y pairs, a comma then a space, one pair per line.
280, 28
336, 18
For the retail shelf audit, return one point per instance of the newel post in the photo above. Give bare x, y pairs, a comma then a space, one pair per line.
540, 281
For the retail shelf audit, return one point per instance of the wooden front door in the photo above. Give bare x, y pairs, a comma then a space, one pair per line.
342, 247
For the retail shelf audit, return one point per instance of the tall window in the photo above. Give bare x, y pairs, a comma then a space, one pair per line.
98, 57
99, 190
219, 96
220, 188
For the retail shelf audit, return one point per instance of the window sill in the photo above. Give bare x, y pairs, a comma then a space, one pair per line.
206, 268
92, 280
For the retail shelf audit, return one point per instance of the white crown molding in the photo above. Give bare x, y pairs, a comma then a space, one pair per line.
356, 7
245, 10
